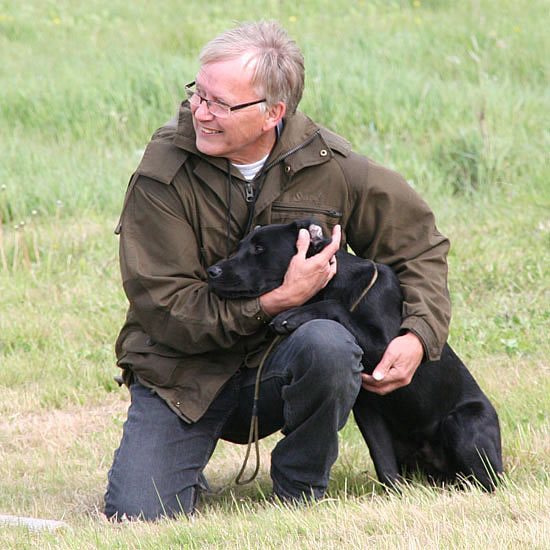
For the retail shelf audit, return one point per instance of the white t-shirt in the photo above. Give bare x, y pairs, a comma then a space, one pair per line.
249, 171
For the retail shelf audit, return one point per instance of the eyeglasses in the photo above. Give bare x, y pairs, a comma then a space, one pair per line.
219, 110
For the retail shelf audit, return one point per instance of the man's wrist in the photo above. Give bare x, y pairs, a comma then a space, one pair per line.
416, 339
273, 302
280, 299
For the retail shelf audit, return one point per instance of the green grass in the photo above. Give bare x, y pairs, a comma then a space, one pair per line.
454, 95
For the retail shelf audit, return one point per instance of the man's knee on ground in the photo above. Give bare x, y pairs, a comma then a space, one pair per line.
150, 505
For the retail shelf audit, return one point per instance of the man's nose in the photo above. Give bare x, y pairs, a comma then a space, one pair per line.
202, 112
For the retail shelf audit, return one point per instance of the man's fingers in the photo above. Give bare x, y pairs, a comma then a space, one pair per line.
327, 254
382, 369
397, 366
302, 244
334, 245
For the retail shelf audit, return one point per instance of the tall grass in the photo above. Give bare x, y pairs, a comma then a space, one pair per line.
454, 95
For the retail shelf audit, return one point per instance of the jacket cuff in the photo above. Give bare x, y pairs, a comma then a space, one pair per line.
418, 326
253, 309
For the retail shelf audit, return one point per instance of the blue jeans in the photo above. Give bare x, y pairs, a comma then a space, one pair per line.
308, 387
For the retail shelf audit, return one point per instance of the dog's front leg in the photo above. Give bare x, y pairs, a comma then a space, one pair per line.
379, 440
288, 321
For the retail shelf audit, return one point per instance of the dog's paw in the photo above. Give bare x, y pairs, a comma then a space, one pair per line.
283, 324
279, 327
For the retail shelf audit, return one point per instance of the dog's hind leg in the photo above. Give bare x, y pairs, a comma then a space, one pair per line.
472, 437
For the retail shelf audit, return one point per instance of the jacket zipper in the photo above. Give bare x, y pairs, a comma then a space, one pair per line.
329, 212
249, 191
249, 187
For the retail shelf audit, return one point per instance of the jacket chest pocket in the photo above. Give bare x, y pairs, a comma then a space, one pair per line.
286, 213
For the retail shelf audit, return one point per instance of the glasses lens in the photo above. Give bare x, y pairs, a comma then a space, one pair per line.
194, 99
218, 110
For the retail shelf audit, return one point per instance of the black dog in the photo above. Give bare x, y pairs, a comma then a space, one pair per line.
441, 423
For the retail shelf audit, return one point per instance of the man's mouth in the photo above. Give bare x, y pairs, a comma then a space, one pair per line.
210, 131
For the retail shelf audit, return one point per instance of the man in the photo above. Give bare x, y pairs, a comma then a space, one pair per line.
238, 155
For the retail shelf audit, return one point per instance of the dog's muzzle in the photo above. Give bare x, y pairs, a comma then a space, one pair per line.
214, 271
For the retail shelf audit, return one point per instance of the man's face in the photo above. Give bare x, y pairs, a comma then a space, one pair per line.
245, 136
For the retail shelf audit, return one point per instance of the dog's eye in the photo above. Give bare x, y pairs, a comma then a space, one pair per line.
258, 249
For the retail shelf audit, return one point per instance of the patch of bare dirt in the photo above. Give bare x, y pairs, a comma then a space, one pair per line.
57, 428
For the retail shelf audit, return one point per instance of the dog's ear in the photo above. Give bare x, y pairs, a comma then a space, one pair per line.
318, 241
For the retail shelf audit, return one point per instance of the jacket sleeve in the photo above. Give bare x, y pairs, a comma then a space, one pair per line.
392, 225
165, 282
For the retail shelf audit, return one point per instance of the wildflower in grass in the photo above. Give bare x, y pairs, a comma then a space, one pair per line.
516, 28
292, 19
3, 16
56, 21
417, 20
416, 4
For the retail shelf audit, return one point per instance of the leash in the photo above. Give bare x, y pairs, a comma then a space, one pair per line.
366, 290
254, 434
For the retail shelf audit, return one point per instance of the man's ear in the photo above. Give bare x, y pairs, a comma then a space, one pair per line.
274, 115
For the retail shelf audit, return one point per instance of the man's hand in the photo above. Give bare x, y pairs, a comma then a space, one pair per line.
304, 276
397, 366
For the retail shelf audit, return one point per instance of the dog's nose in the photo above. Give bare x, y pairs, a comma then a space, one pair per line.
214, 271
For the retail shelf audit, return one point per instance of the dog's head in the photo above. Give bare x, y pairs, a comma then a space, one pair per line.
261, 261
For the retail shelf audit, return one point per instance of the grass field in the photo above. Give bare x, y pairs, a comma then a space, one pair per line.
454, 95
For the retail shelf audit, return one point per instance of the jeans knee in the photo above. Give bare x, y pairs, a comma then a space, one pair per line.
149, 505
329, 353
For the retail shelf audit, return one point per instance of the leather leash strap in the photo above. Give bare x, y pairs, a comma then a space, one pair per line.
254, 433
366, 290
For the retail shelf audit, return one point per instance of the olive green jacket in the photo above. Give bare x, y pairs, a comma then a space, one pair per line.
184, 341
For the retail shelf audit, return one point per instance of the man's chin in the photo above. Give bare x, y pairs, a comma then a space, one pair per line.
205, 145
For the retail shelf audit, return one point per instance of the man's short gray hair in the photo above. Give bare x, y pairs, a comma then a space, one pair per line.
279, 74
